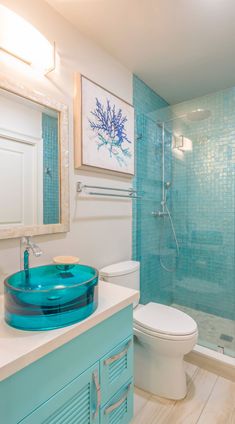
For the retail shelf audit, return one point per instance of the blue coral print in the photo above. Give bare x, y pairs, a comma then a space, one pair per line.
109, 126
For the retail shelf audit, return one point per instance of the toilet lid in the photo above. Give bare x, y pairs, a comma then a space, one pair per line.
121, 268
164, 319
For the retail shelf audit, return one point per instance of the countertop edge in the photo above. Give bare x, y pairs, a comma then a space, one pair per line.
73, 331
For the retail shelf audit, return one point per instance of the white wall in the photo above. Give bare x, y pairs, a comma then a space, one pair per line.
100, 229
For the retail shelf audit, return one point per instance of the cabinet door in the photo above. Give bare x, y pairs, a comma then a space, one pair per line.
116, 368
119, 410
76, 403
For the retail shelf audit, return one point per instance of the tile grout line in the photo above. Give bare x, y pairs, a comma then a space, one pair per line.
143, 407
207, 400
167, 414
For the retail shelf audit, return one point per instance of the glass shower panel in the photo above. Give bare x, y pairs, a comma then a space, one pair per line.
156, 284
199, 164
203, 211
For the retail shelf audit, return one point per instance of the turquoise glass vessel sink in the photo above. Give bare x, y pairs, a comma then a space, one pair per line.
50, 296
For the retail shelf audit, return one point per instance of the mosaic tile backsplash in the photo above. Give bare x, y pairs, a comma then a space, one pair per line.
201, 200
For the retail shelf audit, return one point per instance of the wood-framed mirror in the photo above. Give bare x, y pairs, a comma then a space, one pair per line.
34, 163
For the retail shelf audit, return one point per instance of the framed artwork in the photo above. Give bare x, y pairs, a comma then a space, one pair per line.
104, 129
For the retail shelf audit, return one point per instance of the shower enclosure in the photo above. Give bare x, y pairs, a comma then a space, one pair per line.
184, 224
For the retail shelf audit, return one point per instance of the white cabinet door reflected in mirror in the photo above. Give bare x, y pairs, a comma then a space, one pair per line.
29, 163
32, 176
21, 194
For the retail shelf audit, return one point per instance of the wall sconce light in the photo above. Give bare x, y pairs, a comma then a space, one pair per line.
22, 41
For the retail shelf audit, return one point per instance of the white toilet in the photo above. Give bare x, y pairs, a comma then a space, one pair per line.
163, 336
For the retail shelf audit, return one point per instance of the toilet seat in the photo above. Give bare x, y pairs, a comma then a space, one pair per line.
155, 335
164, 322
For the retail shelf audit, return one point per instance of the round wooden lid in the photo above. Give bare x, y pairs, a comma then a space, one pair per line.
66, 260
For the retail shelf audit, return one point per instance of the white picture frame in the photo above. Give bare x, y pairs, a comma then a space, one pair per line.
104, 129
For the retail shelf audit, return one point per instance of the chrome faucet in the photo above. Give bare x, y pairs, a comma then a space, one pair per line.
27, 245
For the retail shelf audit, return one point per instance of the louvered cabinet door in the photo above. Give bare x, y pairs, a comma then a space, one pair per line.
76, 403
119, 409
116, 368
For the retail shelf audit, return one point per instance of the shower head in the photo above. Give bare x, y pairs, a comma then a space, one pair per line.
195, 115
167, 185
198, 115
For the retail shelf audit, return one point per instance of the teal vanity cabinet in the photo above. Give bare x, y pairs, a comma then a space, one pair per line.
75, 403
88, 380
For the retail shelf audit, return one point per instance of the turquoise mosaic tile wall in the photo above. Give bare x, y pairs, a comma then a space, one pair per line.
51, 194
201, 200
204, 214
156, 284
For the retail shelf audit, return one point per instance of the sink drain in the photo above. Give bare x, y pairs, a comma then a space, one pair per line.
220, 349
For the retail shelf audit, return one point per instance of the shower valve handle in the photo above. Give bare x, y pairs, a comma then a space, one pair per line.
159, 214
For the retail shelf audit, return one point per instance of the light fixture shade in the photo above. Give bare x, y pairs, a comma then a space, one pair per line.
21, 40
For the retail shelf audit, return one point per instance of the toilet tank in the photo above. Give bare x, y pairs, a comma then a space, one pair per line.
125, 274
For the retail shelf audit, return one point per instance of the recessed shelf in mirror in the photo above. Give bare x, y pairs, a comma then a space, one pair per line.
33, 163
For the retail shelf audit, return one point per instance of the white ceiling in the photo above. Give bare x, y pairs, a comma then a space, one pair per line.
181, 48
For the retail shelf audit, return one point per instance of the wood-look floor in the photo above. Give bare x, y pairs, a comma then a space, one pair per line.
210, 400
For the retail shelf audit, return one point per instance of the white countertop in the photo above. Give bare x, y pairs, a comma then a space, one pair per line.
20, 348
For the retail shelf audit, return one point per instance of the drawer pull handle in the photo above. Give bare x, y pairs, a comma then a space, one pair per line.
119, 355
112, 408
98, 393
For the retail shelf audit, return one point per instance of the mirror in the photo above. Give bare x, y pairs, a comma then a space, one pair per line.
33, 163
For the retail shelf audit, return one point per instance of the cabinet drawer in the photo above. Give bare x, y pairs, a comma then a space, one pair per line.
78, 402
116, 368
119, 410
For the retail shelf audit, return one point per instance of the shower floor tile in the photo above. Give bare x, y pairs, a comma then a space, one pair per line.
214, 332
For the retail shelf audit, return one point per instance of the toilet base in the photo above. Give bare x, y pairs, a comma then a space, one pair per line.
161, 375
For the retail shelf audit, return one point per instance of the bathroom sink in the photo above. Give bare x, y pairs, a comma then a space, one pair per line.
50, 296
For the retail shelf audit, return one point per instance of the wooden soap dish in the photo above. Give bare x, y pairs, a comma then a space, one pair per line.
66, 260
